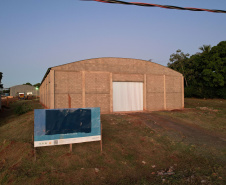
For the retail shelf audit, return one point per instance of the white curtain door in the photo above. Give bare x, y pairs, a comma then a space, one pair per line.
127, 96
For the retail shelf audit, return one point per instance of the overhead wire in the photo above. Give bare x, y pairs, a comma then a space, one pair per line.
161, 6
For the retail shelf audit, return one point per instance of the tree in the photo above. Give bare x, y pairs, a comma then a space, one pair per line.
205, 48
37, 85
209, 66
204, 72
217, 65
1, 85
178, 62
6, 91
1, 77
28, 84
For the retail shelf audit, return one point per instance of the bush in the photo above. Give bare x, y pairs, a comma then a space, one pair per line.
193, 92
188, 92
221, 93
22, 108
197, 92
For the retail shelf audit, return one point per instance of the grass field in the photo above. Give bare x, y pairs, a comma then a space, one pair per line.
167, 147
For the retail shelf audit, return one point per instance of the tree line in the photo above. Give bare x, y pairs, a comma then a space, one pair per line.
204, 72
35, 85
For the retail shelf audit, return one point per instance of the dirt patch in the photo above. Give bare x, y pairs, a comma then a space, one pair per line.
208, 109
180, 130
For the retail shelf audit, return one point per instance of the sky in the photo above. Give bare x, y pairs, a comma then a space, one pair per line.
38, 34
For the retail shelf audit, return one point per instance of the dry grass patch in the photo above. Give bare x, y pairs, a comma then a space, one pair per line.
133, 153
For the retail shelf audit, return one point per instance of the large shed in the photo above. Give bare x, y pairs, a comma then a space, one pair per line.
15, 90
113, 84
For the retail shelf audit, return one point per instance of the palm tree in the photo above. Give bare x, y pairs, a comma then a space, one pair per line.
205, 48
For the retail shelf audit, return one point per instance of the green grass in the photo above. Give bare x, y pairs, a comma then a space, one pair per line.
132, 153
209, 114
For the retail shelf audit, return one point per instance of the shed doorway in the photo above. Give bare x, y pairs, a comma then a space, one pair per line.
127, 96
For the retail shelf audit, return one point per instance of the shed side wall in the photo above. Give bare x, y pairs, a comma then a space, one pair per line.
174, 91
68, 85
155, 92
51, 89
97, 90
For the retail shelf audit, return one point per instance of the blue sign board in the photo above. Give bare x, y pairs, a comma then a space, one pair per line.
66, 126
